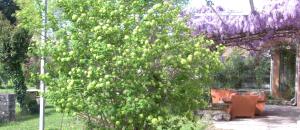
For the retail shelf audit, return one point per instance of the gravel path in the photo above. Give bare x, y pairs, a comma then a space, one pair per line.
274, 118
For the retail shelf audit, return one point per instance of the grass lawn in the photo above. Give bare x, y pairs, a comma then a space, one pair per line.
53, 120
7, 91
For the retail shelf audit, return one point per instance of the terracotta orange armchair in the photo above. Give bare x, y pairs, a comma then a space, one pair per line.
243, 106
261, 101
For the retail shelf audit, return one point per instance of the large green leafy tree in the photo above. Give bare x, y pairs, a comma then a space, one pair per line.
14, 45
127, 64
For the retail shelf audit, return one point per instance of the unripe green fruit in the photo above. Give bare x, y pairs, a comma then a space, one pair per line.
130, 121
150, 117
123, 112
112, 118
68, 104
69, 99
141, 115
69, 87
58, 109
190, 58
197, 53
107, 83
183, 61
167, 46
74, 17
118, 123
154, 121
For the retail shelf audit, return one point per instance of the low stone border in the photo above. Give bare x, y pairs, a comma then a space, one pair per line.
216, 115
279, 102
215, 112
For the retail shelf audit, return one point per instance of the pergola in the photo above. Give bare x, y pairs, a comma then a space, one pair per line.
265, 25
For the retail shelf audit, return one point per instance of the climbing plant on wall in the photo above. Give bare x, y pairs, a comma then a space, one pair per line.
287, 72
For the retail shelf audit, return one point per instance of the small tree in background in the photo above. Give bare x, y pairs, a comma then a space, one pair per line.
7, 8
13, 46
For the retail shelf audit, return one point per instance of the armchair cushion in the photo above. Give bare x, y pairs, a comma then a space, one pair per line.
219, 94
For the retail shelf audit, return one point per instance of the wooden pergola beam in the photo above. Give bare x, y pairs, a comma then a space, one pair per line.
252, 6
244, 39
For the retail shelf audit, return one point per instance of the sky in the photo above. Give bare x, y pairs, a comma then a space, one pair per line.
235, 5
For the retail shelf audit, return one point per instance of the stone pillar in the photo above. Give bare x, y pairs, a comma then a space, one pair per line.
275, 73
7, 107
297, 81
271, 72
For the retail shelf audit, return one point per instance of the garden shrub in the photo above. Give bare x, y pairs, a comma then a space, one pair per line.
239, 67
127, 64
31, 105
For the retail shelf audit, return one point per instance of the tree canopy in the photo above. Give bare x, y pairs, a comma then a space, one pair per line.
127, 64
8, 9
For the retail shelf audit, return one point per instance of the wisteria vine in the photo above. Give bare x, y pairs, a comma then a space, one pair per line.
273, 16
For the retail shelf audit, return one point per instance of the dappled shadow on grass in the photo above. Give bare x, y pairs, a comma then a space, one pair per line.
27, 116
53, 121
49, 107
21, 117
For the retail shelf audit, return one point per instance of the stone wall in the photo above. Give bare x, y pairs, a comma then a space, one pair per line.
7, 107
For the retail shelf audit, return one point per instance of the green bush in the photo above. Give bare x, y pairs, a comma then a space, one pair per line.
128, 64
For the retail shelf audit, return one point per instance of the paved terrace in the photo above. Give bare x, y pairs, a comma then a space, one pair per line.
274, 118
